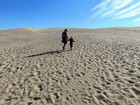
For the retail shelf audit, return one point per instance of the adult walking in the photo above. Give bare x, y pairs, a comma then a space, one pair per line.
64, 38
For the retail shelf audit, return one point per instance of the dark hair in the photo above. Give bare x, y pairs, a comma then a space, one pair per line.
65, 30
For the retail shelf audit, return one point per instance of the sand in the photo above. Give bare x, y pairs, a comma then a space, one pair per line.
102, 69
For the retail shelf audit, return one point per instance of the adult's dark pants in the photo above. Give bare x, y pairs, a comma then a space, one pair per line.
65, 42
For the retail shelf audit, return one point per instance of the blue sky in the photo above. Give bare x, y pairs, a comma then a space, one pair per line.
69, 13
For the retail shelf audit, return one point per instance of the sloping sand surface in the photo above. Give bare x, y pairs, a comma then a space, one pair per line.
102, 69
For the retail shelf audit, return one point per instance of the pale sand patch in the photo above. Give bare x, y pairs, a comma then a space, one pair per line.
102, 69
33, 29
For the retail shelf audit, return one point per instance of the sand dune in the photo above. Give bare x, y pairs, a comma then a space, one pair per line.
102, 69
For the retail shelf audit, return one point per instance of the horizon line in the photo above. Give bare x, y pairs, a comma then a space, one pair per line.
66, 27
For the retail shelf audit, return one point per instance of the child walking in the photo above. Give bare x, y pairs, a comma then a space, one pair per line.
71, 42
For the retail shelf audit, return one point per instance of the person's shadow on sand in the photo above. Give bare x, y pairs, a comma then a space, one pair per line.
49, 52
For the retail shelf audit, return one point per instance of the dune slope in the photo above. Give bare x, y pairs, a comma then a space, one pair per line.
102, 69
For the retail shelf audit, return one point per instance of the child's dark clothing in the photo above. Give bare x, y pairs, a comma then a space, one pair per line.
71, 42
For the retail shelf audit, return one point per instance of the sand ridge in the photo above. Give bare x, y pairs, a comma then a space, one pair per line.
102, 69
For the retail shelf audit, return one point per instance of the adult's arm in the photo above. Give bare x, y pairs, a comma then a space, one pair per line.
67, 35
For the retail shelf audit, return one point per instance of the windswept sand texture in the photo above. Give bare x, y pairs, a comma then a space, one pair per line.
102, 69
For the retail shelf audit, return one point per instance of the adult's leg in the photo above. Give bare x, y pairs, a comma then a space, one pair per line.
64, 46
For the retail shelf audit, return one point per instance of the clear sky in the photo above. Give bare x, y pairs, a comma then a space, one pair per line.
69, 13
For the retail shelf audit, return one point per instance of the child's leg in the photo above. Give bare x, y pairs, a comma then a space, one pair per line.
71, 45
